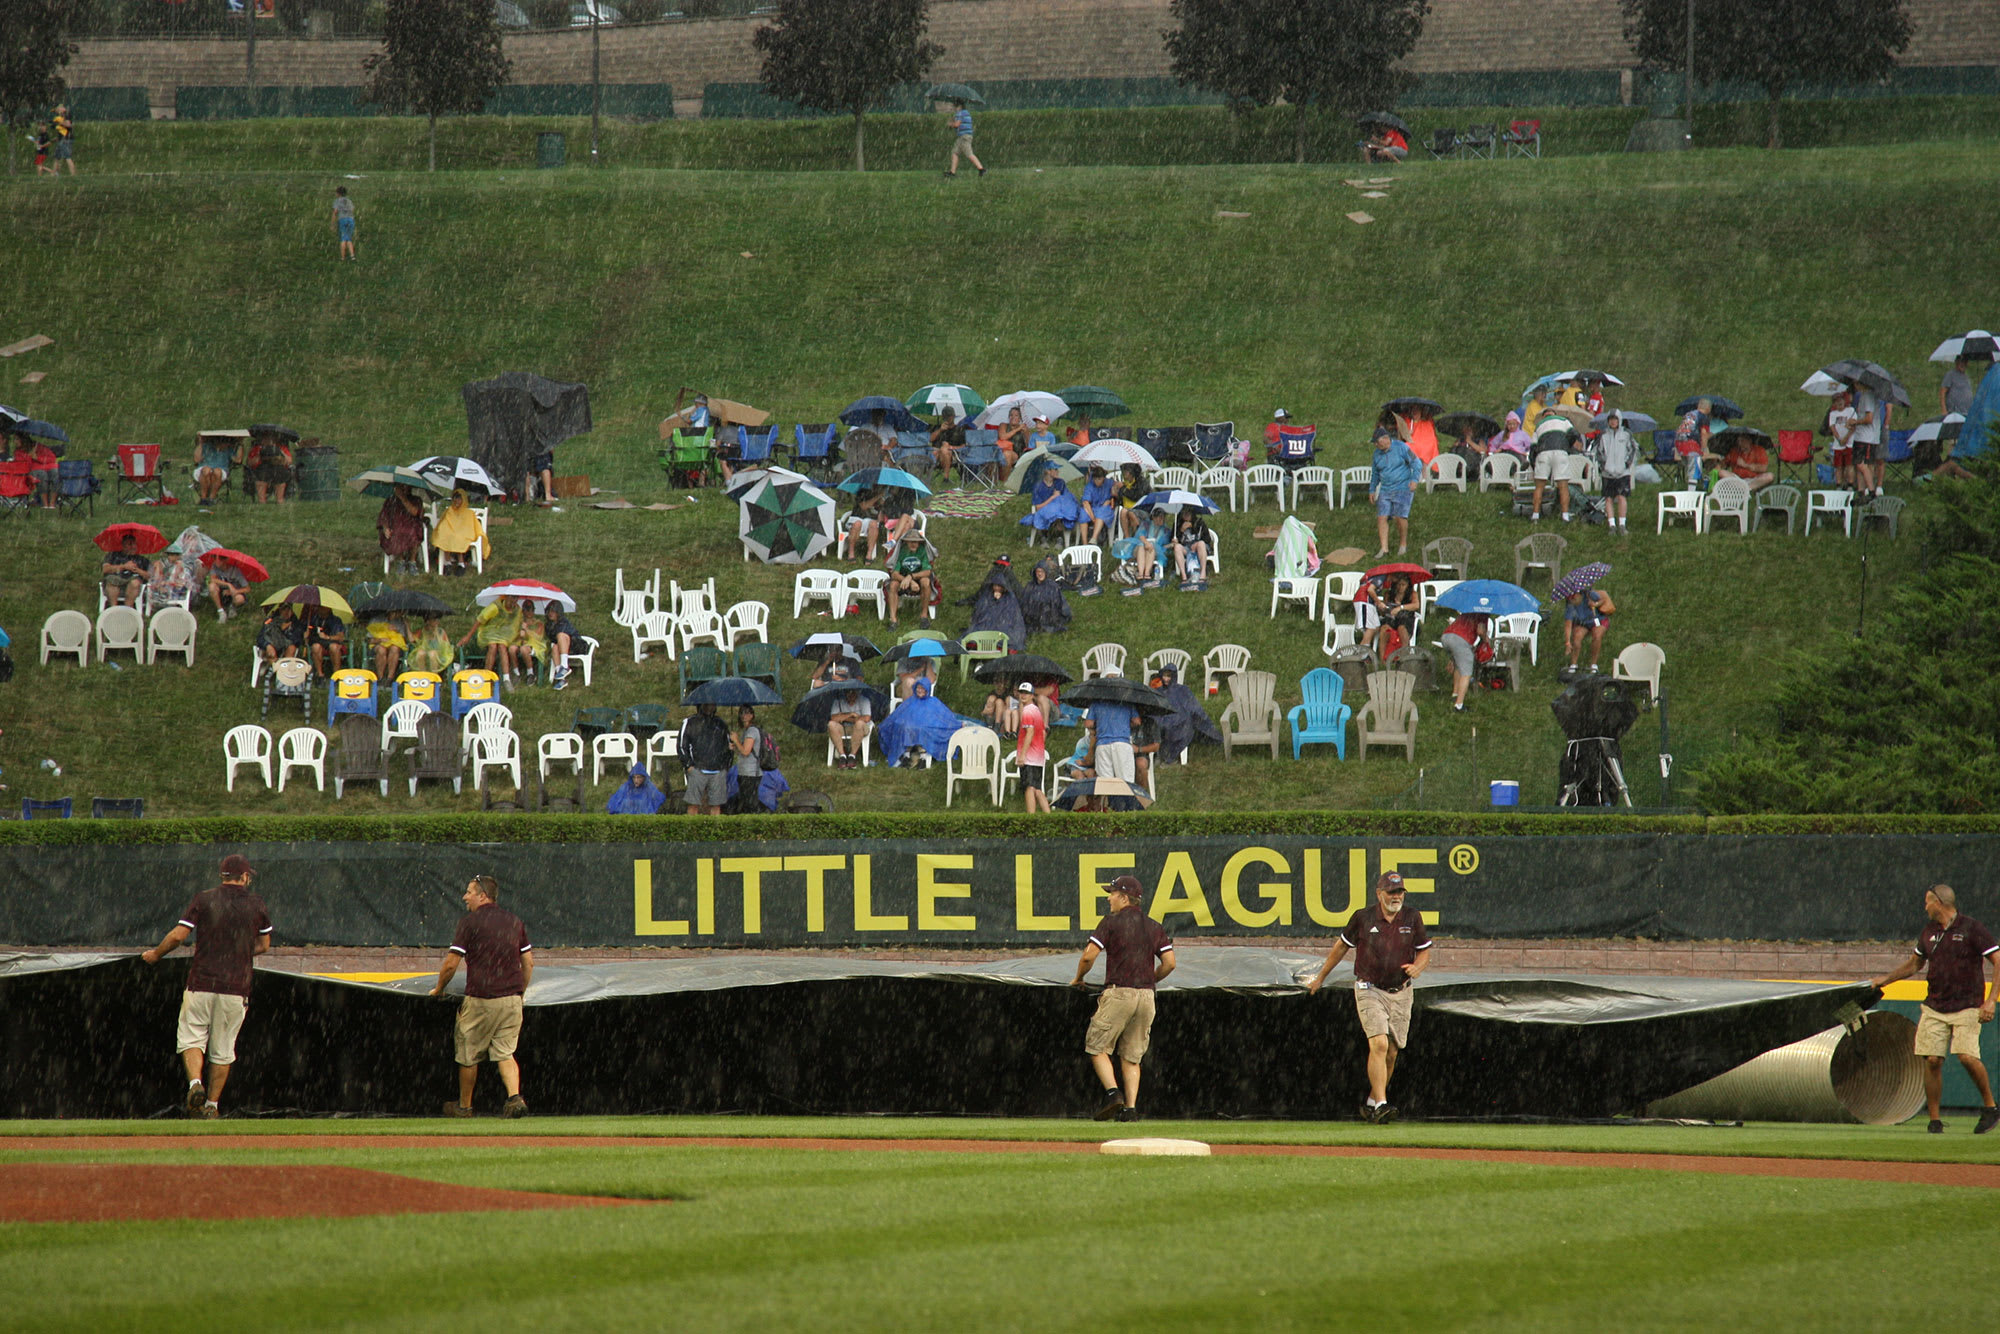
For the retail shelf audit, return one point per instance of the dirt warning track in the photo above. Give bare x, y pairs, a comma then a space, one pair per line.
1978, 1175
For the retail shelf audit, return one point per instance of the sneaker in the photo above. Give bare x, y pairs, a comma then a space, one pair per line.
456, 1112
1131, 592
1384, 1114
1112, 1107
1153, 583
1458, 708
196, 1096
1937, 1127
221, 615
1566, 518
516, 1106
982, 171
951, 175
1987, 1120
560, 683
1128, 1114
210, 1112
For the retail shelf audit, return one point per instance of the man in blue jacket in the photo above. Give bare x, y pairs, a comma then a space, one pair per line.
1392, 485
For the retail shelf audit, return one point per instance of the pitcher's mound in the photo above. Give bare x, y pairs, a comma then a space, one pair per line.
1157, 1148
133, 1192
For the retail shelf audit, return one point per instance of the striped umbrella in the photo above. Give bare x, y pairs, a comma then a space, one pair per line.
963, 400
1579, 579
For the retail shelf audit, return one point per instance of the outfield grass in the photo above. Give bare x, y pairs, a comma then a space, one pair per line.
210, 298
868, 1240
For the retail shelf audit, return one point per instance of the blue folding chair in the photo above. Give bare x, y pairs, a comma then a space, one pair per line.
77, 486
812, 448
1664, 459
1897, 451
754, 446
45, 810
1211, 440
1295, 446
980, 462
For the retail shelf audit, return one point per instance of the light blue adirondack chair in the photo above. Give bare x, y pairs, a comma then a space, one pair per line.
1323, 717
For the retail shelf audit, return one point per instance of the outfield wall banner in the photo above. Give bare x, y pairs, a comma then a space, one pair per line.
1011, 892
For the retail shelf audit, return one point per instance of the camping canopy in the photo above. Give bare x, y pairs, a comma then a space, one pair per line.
513, 417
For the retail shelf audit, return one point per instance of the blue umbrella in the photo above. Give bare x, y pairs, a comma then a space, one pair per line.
867, 477
1725, 408
861, 412
730, 691
1488, 597
41, 429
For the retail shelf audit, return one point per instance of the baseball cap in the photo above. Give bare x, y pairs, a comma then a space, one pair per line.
1281, 415
1025, 688
1389, 882
1041, 421
1129, 886
236, 864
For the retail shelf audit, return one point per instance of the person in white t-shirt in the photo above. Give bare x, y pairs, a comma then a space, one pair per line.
1840, 425
1871, 426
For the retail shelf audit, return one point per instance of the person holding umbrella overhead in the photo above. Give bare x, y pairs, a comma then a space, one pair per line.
961, 141
125, 566
1587, 610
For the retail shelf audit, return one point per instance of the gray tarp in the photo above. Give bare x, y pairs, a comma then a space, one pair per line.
513, 417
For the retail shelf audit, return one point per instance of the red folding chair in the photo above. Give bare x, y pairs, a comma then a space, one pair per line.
1795, 457
139, 471
1523, 138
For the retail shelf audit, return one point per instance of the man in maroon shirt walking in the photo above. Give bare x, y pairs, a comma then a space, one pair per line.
499, 964
1138, 954
1391, 949
1955, 950
230, 929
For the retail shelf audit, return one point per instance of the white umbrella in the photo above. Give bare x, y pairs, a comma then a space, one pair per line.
1113, 454
1938, 428
1174, 501
1822, 385
527, 590
1033, 403
1605, 376
1972, 343
455, 471
745, 481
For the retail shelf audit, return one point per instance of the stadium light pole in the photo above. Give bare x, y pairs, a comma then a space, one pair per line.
1690, 72
596, 83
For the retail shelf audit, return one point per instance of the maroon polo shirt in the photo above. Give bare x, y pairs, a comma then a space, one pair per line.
1382, 945
1131, 941
227, 922
492, 941
1955, 959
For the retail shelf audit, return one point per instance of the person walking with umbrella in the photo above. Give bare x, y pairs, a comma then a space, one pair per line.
961, 141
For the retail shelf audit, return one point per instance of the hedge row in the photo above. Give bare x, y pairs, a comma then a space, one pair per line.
463, 828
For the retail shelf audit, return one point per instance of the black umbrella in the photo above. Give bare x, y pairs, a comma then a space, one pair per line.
1388, 118
1118, 794
1453, 424
41, 430
1118, 690
1729, 435
284, 433
818, 705
826, 642
1593, 714
1413, 407
397, 601
926, 646
1870, 375
1022, 667
730, 691
1718, 406
961, 93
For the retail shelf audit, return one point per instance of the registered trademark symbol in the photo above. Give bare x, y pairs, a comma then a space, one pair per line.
1464, 859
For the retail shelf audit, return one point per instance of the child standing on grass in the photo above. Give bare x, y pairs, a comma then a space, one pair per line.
343, 221
961, 128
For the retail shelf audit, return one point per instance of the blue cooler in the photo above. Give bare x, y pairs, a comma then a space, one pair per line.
1506, 792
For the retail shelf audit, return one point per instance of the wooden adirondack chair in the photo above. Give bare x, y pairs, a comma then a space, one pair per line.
361, 758
437, 754
1389, 718
1252, 715
1324, 716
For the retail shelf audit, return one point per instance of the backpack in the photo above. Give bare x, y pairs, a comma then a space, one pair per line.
767, 751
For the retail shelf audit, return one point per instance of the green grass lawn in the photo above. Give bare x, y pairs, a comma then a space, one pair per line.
757, 1238
204, 298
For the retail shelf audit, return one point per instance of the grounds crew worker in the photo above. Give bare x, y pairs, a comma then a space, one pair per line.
1138, 955
230, 929
499, 964
1391, 948
1955, 951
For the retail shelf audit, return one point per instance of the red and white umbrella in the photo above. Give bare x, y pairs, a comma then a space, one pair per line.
528, 590
252, 568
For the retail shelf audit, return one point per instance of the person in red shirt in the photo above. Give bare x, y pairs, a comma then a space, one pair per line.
1955, 951
230, 929
499, 964
1391, 949
1138, 956
1031, 747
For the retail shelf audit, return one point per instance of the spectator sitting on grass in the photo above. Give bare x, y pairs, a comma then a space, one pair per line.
125, 572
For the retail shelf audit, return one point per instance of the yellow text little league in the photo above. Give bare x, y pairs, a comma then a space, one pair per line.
1257, 887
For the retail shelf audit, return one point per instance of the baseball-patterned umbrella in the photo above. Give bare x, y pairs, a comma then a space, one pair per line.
1577, 580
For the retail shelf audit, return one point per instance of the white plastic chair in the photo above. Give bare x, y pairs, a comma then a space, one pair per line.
1304, 589
1728, 501
120, 628
171, 631
585, 658
1444, 470
868, 586
1176, 658
1088, 554
828, 586
500, 749
1429, 591
634, 605
748, 620
1264, 477
479, 720
1104, 660
1817, 502
245, 745
1223, 660
553, 748
618, 748
400, 722
1313, 477
1174, 478
302, 748
973, 756
1340, 586
1640, 662
1336, 637
1221, 477
695, 597
1355, 479
655, 627
649, 591
1523, 627
662, 746
66, 632
1686, 505
1498, 471
1591, 476
703, 627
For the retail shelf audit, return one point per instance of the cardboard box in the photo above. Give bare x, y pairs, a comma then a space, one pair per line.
570, 487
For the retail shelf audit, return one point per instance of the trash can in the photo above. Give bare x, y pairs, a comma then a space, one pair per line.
549, 150
319, 472
1506, 792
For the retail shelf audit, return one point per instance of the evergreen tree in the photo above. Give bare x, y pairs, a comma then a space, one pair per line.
34, 47
438, 57
846, 55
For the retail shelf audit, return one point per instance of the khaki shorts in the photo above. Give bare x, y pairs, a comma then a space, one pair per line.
962, 144
210, 1021
488, 1028
1553, 465
1124, 1022
1384, 1012
1958, 1030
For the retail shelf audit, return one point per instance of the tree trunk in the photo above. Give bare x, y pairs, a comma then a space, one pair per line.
1299, 133
860, 161
434, 141
1772, 141
7, 128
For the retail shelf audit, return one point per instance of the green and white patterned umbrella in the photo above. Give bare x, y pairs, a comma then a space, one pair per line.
933, 399
786, 522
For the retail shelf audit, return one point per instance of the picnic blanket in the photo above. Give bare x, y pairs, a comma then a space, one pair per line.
963, 504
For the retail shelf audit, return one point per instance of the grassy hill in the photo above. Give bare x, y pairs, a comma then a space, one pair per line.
202, 298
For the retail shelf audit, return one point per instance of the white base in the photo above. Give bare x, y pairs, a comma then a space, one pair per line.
1156, 1148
